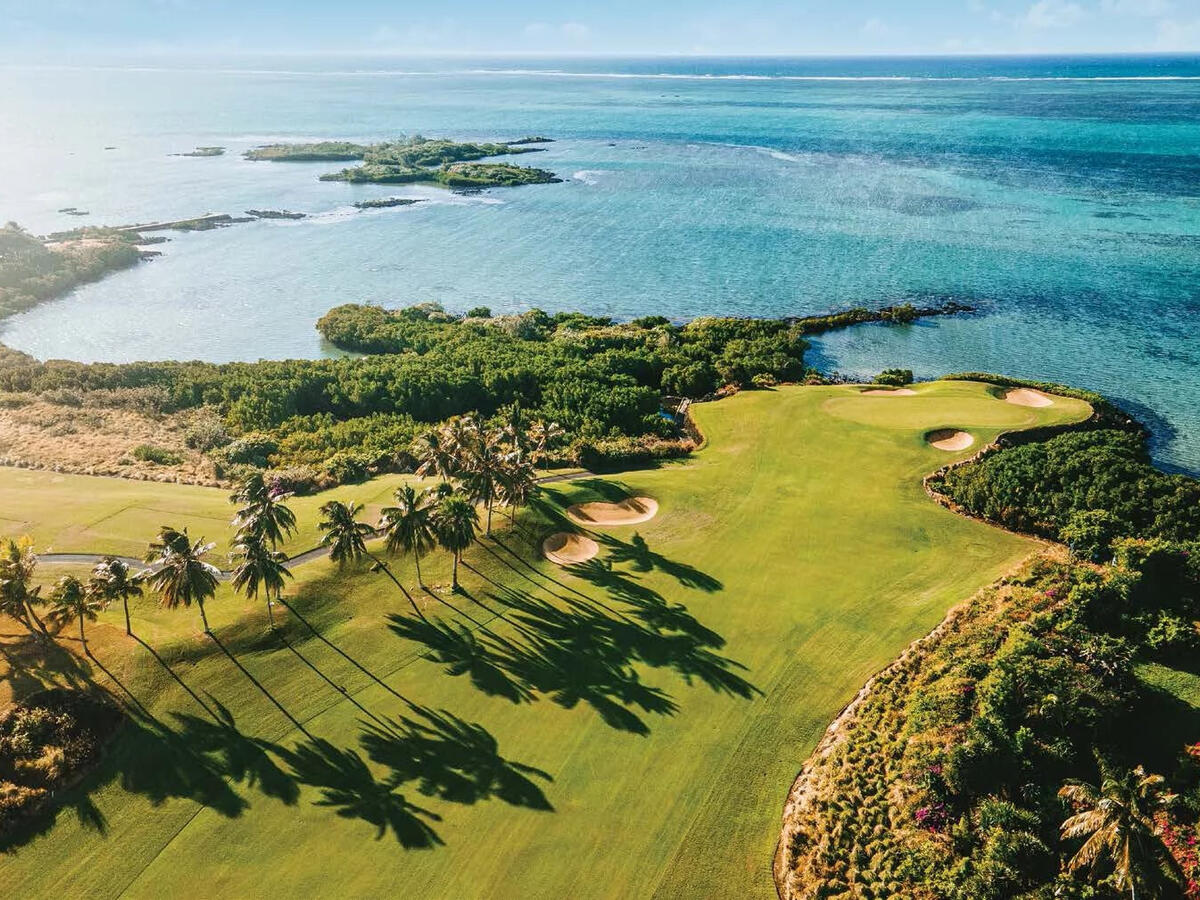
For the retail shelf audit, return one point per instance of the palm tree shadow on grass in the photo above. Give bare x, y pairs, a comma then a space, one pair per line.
638, 554
584, 652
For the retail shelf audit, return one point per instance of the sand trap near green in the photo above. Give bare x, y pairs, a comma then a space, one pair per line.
800, 545
630, 511
950, 439
1027, 397
567, 549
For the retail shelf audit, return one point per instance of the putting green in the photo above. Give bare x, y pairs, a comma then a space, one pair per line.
800, 535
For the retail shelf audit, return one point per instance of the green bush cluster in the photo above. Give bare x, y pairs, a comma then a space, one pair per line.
1084, 488
31, 271
158, 455
602, 382
945, 782
45, 740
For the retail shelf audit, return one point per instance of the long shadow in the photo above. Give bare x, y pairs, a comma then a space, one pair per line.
258, 684
329, 681
136, 703
342, 653
638, 554
583, 653
30, 662
179, 680
443, 756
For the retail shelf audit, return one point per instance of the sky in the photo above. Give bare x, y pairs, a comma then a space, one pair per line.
49, 30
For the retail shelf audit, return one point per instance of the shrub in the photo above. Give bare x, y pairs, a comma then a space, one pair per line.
894, 377
344, 467
479, 312
160, 456
63, 397
251, 449
206, 433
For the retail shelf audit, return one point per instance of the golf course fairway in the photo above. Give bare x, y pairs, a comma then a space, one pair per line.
799, 534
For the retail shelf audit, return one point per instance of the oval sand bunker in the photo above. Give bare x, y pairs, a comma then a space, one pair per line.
1026, 397
567, 549
892, 392
949, 439
631, 511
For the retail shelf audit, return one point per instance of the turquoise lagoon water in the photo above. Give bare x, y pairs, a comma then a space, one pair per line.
1061, 196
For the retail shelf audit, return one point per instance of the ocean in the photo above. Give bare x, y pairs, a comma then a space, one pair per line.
1061, 196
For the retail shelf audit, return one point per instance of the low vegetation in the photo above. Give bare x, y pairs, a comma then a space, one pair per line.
415, 159
46, 741
1084, 488
967, 769
334, 420
33, 269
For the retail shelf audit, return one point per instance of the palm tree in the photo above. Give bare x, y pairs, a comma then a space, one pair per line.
542, 437
517, 484
514, 430
18, 594
1117, 822
344, 535
112, 578
259, 567
484, 469
262, 510
408, 526
182, 577
71, 599
455, 522
434, 456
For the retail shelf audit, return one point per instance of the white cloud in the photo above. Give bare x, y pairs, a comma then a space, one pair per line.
976, 6
1149, 8
573, 31
1053, 14
1175, 35
875, 27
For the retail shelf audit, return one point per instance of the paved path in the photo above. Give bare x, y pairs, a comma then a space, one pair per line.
90, 559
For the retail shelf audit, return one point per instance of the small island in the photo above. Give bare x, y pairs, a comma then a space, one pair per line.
203, 152
416, 159
275, 214
387, 202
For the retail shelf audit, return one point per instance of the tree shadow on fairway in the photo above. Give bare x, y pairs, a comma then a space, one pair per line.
442, 756
32, 664
640, 557
583, 649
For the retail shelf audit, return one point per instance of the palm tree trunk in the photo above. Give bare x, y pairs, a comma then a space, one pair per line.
33, 615
83, 637
489, 515
270, 613
128, 627
417, 558
204, 618
383, 567
454, 577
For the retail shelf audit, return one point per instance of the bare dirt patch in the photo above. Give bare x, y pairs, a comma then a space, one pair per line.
1027, 397
567, 549
97, 441
630, 511
950, 439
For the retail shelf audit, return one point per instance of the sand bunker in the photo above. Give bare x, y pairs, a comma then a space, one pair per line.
950, 439
1026, 397
630, 511
567, 549
890, 392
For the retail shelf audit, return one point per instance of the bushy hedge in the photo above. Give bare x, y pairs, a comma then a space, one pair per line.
1086, 488
45, 742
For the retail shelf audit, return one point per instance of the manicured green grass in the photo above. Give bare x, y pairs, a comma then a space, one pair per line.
85, 514
800, 534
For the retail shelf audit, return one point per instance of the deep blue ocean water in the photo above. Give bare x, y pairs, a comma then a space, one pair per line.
1061, 196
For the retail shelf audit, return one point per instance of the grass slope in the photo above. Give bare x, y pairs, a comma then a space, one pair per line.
808, 545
